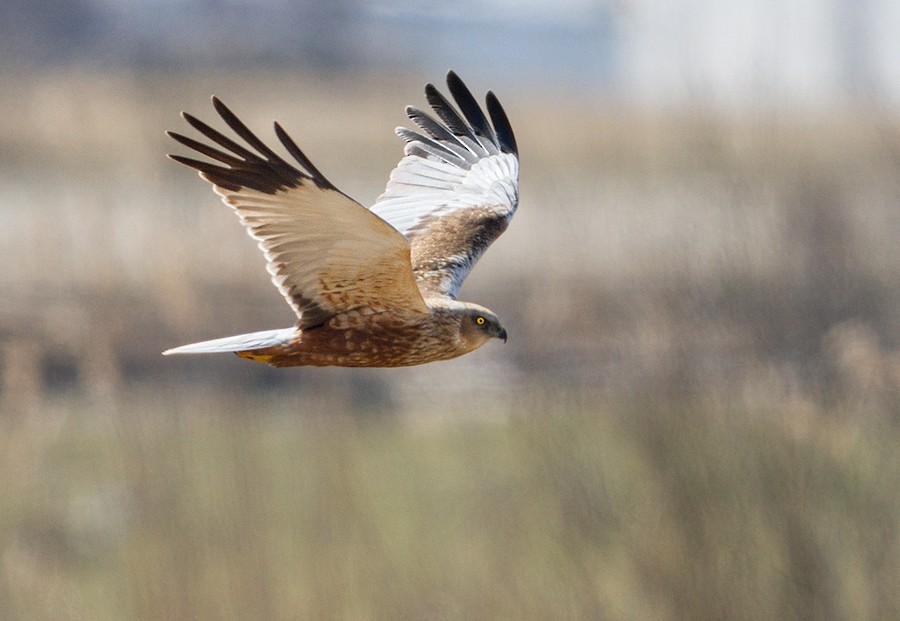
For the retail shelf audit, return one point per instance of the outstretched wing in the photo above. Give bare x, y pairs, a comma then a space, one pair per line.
326, 252
456, 189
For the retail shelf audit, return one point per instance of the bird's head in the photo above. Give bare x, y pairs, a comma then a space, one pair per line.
479, 325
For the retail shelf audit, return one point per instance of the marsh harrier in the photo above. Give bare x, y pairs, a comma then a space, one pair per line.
371, 287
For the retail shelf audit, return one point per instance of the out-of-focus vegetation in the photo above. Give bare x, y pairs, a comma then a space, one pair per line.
170, 508
696, 415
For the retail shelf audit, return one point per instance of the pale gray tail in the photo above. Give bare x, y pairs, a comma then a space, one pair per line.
241, 342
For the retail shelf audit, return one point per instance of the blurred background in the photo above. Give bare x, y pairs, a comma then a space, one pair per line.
697, 415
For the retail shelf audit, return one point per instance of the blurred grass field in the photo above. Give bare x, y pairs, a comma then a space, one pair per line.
166, 508
697, 415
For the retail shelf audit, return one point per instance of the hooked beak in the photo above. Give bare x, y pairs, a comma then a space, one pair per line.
502, 334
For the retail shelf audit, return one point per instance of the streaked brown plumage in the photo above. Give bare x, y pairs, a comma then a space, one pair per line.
371, 287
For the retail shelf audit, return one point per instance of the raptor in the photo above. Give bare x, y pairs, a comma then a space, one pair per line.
378, 286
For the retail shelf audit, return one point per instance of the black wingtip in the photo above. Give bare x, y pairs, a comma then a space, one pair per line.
447, 112
223, 110
502, 126
242, 167
469, 107
298, 154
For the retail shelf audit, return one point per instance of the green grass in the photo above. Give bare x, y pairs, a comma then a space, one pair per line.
694, 511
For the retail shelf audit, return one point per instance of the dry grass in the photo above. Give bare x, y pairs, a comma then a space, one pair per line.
169, 509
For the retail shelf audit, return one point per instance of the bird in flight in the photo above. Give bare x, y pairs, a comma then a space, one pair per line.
371, 287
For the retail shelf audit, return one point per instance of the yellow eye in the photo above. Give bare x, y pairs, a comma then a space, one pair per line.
480, 321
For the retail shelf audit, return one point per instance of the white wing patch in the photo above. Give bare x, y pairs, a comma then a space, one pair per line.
455, 189
422, 188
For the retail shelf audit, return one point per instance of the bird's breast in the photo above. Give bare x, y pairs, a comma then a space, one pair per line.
366, 339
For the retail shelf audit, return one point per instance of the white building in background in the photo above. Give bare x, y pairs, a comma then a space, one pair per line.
734, 52
761, 52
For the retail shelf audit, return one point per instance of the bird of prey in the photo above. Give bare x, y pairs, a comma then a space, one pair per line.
371, 287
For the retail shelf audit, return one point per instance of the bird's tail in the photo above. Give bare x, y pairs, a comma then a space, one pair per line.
241, 342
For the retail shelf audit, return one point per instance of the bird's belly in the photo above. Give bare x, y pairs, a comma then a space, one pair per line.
370, 346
